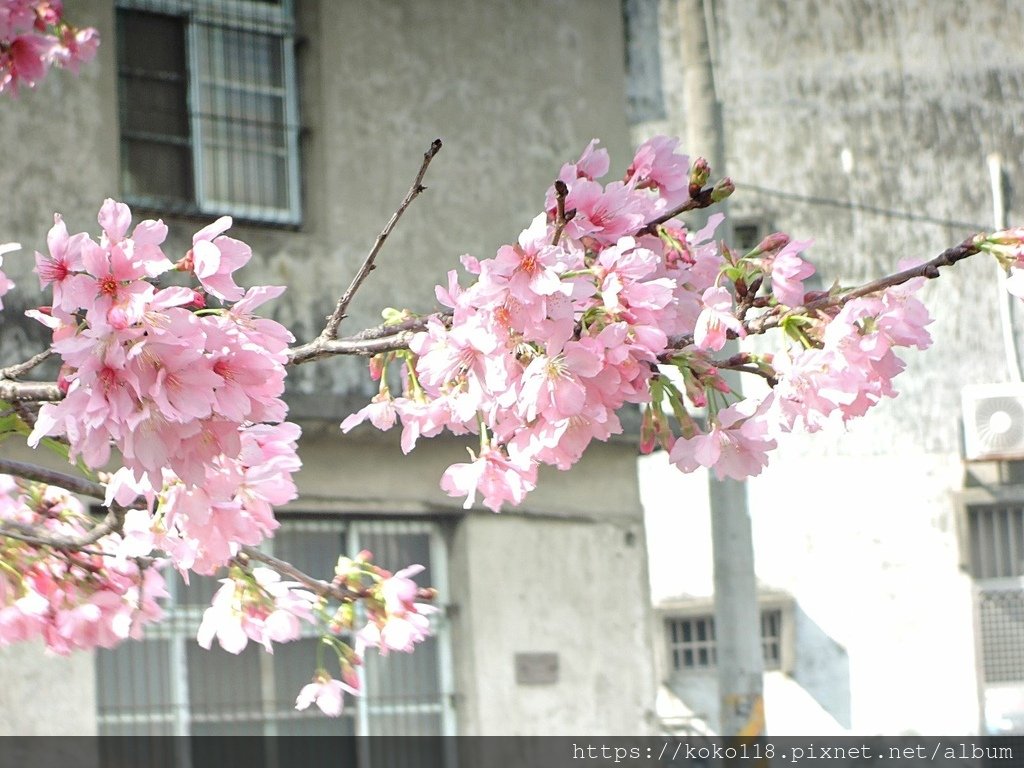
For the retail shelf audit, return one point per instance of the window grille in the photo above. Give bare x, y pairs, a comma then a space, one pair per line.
747, 234
995, 540
168, 685
692, 643
1001, 625
208, 107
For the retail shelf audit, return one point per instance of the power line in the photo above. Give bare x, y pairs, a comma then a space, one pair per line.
850, 205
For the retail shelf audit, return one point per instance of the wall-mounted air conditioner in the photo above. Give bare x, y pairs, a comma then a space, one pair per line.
993, 421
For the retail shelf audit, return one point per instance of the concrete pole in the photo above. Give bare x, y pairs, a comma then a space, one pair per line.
737, 615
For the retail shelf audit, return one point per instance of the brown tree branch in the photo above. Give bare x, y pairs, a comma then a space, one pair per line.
701, 200
112, 523
775, 317
323, 588
330, 331
38, 474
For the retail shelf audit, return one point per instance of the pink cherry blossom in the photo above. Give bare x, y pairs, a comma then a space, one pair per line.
327, 693
493, 474
216, 256
736, 446
657, 165
788, 271
716, 320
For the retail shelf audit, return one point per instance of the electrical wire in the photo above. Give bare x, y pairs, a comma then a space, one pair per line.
850, 205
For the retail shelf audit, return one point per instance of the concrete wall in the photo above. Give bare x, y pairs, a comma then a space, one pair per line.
514, 90
859, 524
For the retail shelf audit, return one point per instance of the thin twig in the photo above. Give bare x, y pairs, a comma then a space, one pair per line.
929, 270
112, 523
285, 568
330, 330
561, 217
775, 318
701, 200
29, 535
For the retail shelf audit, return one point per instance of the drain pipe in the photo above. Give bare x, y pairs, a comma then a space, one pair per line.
1006, 299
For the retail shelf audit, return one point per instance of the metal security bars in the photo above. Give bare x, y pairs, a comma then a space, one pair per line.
692, 644
995, 534
168, 685
1001, 625
208, 107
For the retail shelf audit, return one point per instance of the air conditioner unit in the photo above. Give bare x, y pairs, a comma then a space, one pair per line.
993, 421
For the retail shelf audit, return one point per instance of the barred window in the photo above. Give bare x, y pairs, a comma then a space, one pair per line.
168, 685
692, 644
995, 534
208, 107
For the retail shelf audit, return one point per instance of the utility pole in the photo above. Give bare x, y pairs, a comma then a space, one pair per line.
737, 616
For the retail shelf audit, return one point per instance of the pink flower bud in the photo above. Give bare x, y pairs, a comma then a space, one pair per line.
699, 173
722, 190
773, 242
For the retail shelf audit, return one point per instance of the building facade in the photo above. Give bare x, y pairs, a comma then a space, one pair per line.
306, 121
890, 566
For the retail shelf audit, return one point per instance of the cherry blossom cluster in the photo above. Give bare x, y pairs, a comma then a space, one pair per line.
90, 598
253, 603
188, 394
182, 385
607, 298
34, 35
395, 616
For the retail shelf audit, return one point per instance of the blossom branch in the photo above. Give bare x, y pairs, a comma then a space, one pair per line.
330, 330
285, 568
775, 318
37, 474
703, 199
112, 523
929, 270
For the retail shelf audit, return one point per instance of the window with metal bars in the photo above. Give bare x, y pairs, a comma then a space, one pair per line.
1001, 625
995, 536
692, 644
208, 107
168, 685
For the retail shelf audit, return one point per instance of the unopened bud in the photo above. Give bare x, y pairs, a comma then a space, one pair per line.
64, 378
722, 190
773, 242
186, 263
377, 365
699, 173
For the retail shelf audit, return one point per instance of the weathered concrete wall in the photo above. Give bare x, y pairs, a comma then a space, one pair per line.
566, 588
46, 695
859, 524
